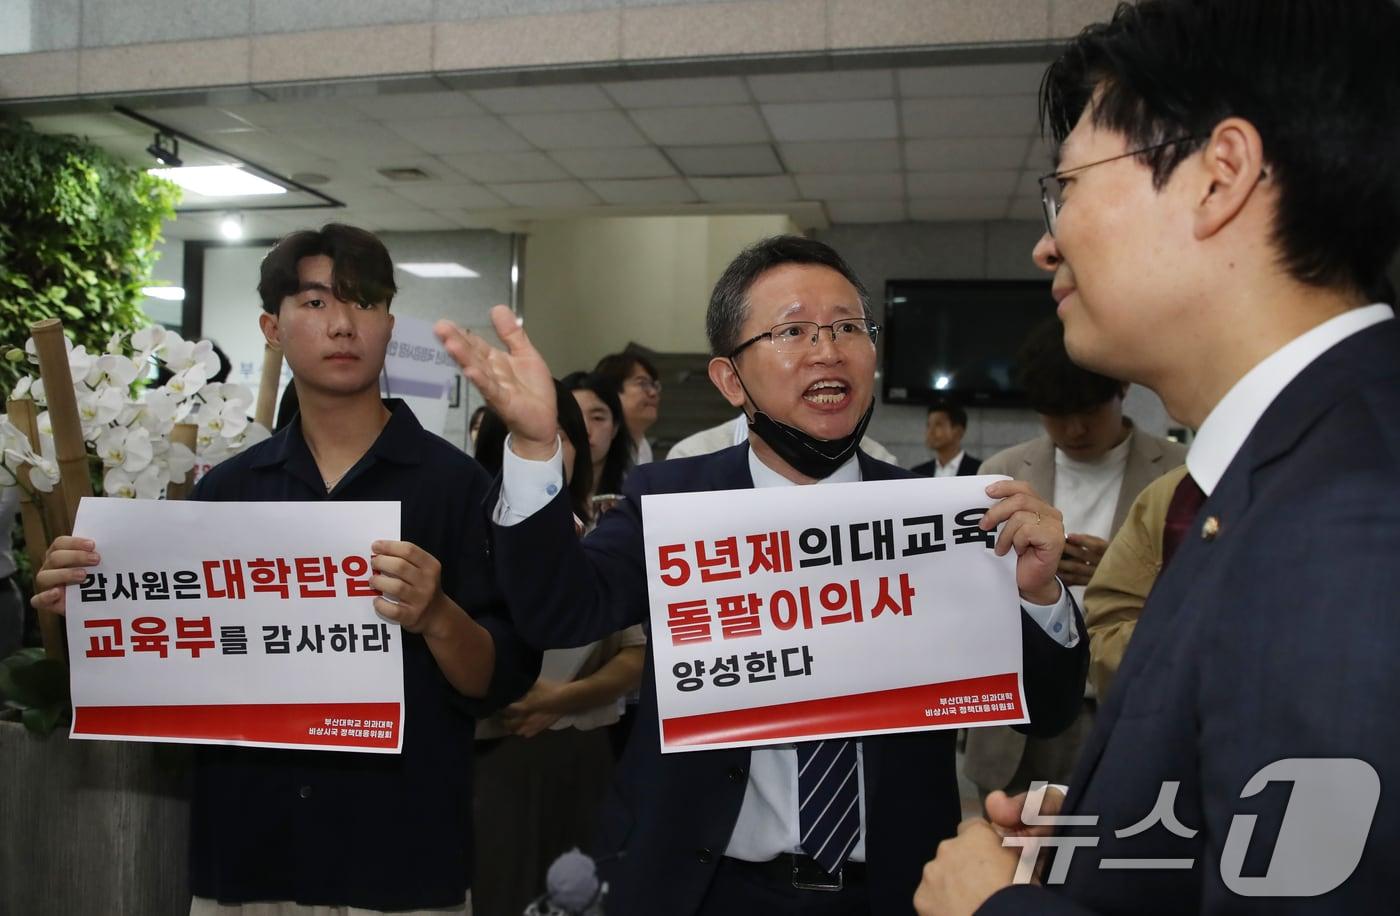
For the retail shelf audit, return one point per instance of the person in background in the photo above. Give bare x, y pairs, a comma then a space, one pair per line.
1094, 462
638, 386
736, 432
610, 448
474, 426
947, 424
544, 763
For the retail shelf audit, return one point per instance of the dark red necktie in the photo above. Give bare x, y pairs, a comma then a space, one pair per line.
1181, 512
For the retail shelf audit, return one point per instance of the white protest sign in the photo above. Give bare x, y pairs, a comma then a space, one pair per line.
247, 623
419, 370
801, 613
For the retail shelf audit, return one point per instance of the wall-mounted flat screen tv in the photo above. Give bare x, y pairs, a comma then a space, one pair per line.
958, 339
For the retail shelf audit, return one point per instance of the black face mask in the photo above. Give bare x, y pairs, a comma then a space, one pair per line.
805, 453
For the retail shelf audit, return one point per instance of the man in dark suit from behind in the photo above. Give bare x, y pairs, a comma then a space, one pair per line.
947, 424
722, 832
1227, 189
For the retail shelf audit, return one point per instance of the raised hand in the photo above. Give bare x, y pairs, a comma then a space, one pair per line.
515, 381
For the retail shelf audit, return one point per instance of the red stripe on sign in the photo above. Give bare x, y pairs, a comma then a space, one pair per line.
322, 724
949, 703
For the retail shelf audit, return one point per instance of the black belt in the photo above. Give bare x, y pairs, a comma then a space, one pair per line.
804, 873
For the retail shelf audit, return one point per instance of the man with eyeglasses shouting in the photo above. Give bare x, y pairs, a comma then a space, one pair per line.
722, 831
1228, 189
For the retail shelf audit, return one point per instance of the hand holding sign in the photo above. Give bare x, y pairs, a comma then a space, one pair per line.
1036, 530
412, 578
64, 564
515, 381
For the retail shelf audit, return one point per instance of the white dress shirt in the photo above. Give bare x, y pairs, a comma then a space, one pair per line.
768, 821
1232, 420
951, 468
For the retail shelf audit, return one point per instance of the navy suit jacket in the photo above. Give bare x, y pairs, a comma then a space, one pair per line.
667, 820
968, 468
1276, 639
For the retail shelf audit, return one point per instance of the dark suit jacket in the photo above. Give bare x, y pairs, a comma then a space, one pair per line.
1276, 639
968, 468
667, 820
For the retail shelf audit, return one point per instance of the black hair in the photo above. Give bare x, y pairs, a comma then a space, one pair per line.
1319, 80
956, 415
616, 368
491, 448
1054, 385
729, 300
362, 270
618, 461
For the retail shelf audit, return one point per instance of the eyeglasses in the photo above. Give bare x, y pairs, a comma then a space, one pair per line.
644, 383
1052, 185
791, 336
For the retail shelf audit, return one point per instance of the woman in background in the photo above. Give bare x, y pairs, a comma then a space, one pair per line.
544, 762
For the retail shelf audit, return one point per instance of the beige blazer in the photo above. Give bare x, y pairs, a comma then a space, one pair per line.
994, 753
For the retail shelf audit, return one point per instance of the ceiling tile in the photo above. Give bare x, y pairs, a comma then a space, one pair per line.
871, 120
577, 130
942, 210
996, 116
193, 120
879, 186
644, 191
442, 195
962, 184
479, 134
313, 113
866, 211
408, 221
366, 197
721, 161
526, 166
408, 106
1039, 157
964, 153
88, 124
537, 99
547, 194
629, 162
773, 189
353, 143
1028, 185
829, 86
678, 93
978, 79
842, 156
701, 126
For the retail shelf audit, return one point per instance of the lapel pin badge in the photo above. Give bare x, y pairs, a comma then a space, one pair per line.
1210, 528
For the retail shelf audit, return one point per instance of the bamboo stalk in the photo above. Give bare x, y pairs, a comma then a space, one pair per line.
184, 434
24, 415
267, 386
63, 414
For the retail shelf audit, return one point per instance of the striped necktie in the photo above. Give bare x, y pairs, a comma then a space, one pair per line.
828, 792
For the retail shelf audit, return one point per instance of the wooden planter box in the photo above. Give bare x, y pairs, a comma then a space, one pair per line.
92, 826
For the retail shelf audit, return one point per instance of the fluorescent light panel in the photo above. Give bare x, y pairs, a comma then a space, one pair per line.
168, 293
437, 269
219, 181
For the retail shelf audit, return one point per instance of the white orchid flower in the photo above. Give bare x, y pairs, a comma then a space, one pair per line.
114, 344
80, 361
116, 370
205, 356
21, 389
224, 418
43, 473
177, 352
149, 339
101, 407
128, 449
179, 460
187, 382
149, 484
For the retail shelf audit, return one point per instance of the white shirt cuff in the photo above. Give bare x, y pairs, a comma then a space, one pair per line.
527, 486
1057, 620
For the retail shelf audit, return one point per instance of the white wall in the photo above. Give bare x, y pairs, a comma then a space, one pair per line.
593, 285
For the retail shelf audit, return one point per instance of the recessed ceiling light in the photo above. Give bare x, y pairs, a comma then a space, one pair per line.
231, 226
219, 181
438, 269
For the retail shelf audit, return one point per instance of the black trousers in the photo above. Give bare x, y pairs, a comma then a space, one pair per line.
738, 890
